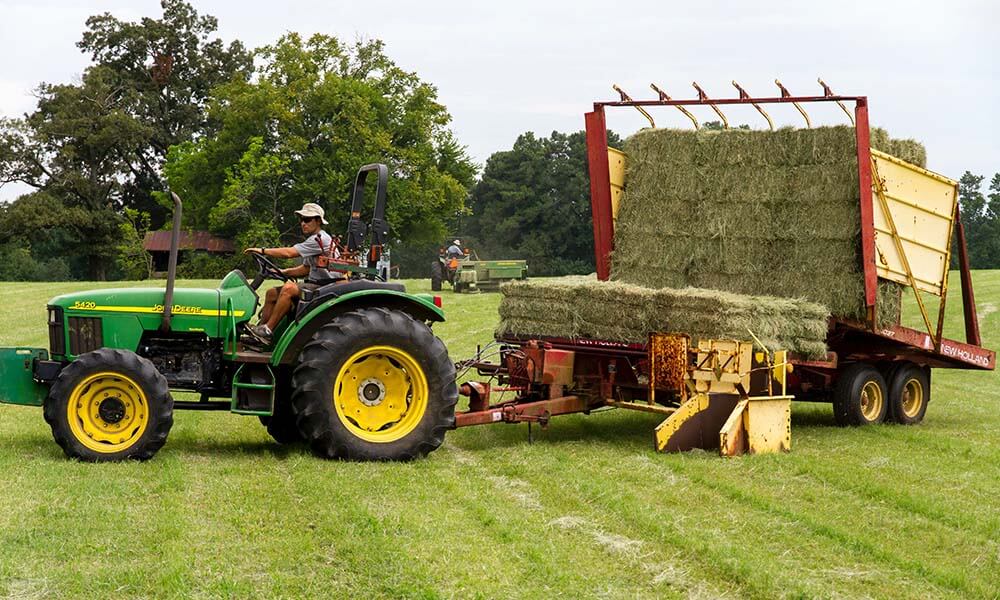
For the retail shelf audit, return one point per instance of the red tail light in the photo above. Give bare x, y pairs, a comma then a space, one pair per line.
437, 301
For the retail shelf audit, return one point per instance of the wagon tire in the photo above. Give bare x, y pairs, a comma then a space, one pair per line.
909, 394
860, 396
110, 405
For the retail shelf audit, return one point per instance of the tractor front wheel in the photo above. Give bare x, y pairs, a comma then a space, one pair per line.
110, 405
374, 384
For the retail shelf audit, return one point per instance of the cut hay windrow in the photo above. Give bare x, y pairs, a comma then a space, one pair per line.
582, 307
771, 213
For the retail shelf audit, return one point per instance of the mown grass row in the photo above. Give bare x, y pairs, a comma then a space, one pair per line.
585, 510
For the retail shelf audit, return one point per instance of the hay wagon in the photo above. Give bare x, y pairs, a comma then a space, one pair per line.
735, 394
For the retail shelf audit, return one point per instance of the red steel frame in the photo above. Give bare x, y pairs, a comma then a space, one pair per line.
892, 342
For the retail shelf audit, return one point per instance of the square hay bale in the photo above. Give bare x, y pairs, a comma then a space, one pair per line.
751, 212
582, 307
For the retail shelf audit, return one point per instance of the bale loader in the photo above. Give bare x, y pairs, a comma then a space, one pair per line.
734, 395
355, 370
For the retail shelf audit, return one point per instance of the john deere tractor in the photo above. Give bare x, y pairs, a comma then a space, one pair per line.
355, 370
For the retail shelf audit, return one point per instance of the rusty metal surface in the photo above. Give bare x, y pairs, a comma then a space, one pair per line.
668, 361
538, 412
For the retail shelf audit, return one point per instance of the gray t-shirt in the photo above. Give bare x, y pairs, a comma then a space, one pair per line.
310, 249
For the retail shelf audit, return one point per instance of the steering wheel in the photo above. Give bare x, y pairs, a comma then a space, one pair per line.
266, 269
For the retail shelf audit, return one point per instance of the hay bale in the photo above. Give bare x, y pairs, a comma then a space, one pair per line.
582, 307
750, 212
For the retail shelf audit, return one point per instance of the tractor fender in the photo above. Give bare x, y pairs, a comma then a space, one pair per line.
301, 331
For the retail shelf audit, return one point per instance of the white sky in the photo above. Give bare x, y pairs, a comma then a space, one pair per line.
502, 68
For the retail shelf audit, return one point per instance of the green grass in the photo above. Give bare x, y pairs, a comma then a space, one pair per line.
587, 510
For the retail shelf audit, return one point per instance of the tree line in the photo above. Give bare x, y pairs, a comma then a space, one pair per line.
245, 137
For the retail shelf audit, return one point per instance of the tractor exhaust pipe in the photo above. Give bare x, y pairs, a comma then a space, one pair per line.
175, 241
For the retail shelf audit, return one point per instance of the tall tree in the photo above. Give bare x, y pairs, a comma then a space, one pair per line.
315, 112
533, 202
981, 219
99, 145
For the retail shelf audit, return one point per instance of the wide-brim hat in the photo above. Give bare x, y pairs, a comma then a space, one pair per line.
311, 209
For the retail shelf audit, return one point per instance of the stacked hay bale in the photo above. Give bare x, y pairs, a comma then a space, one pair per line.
723, 232
751, 212
582, 307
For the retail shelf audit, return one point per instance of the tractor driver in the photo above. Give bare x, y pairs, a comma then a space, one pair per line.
455, 249
278, 301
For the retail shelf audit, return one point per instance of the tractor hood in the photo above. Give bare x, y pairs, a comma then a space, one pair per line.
200, 302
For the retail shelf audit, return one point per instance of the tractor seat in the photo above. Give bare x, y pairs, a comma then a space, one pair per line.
313, 298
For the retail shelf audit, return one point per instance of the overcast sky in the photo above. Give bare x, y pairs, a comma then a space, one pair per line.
930, 69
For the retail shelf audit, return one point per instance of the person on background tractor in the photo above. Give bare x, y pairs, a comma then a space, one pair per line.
317, 246
455, 249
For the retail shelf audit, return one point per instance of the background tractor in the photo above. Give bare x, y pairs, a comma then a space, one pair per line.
355, 370
469, 274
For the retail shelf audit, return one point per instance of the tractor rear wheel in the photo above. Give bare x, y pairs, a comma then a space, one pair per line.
909, 393
859, 396
374, 384
281, 425
436, 276
110, 405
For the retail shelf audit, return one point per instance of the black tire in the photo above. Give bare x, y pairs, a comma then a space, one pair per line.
281, 425
436, 276
859, 396
909, 393
317, 379
140, 415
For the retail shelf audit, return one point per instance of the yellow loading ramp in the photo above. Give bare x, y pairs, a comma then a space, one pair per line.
732, 398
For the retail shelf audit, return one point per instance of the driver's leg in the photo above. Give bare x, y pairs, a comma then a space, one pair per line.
270, 298
289, 293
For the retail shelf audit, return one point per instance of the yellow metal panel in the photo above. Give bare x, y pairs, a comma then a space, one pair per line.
769, 424
733, 435
921, 204
669, 427
616, 167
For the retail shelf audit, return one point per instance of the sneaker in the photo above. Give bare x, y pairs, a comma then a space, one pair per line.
262, 333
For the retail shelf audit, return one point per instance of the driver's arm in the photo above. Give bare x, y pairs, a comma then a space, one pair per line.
281, 252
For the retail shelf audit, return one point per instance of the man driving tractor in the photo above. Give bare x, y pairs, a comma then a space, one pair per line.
455, 249
315, 251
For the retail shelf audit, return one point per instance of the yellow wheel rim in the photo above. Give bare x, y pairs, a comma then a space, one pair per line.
913, 397
871, 400
107, 412
380, 394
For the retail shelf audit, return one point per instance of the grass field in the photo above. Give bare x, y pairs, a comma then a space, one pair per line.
587, 510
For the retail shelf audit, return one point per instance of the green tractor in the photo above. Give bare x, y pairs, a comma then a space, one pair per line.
468, 274
355, 370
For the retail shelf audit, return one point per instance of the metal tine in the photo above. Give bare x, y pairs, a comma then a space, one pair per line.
828, 92
687, 113
704, 98
745, 96
626, 98
786, 94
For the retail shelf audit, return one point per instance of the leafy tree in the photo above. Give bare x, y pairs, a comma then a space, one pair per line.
168, 67
533, 202
132, 259
981, 219
98, 146
315, 112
